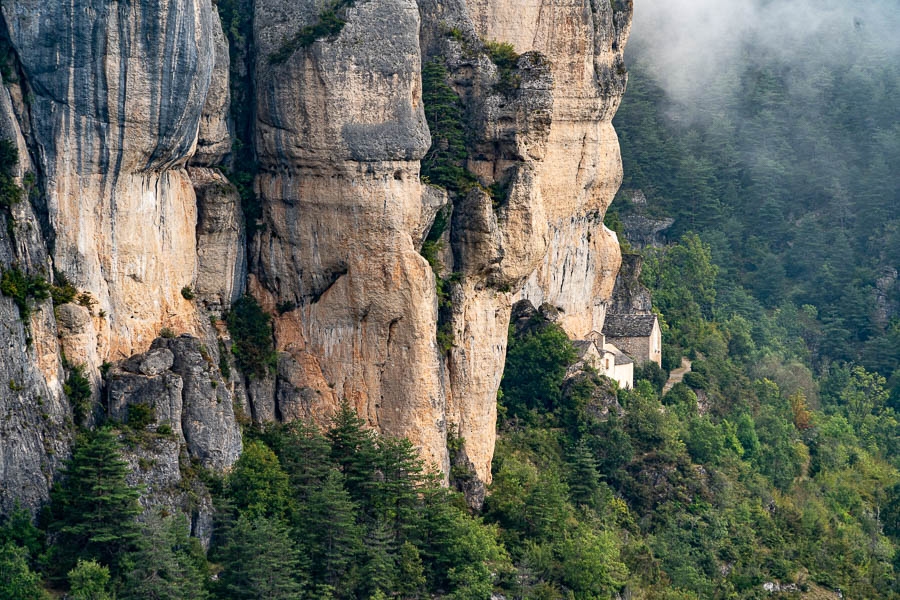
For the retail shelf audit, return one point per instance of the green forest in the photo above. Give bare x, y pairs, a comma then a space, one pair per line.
776, 461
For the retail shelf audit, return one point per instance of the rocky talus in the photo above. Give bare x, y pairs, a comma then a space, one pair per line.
164, 182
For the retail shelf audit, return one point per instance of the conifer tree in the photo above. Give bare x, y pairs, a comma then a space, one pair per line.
335, 538
93, 510
164, 566
353, 449
395, 497
380, 569
259, 562
584, 480
410, 574
444, 164
306, 457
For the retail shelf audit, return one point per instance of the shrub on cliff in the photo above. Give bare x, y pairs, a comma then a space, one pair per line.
23, 287
251, 330
444, 165
10, 192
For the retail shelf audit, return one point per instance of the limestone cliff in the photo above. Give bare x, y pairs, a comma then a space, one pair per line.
125, 115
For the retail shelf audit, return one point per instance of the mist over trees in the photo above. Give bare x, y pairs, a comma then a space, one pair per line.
772, 129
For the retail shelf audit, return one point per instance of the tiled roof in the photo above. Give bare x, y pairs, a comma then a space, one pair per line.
628, 325
621, 357
582, 346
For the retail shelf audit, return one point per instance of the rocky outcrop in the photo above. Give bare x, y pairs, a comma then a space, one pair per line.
629, 295
127, 123
561, 165
179, 383
887, 298
177, 413
641, 227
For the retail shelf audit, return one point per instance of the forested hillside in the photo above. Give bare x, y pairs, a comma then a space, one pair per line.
771, 471
784, 160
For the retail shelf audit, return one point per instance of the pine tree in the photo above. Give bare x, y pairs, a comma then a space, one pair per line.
306, 456
410, 573
380, 569
585, 479
333, 536
395, 494
259, 562
93, 510
164, 566
353, 449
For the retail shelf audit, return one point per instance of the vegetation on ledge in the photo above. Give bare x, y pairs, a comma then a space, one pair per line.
251, 331
330, 22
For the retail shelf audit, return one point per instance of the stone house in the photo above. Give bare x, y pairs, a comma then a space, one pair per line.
638, 335
606, 359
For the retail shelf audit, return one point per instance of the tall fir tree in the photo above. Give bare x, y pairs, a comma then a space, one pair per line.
353, 449
259, 562
380, 570
395, 494
93, 510
165, 565
335, 540
584, 479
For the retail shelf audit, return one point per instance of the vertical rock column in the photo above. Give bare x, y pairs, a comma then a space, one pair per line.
549, 141
117, 94
582, 169
340, 131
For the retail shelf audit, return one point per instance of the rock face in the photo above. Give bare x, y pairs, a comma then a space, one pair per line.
129, 118
221, 241
580, 173
35, 417
117, 94
340, 132
630, 296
